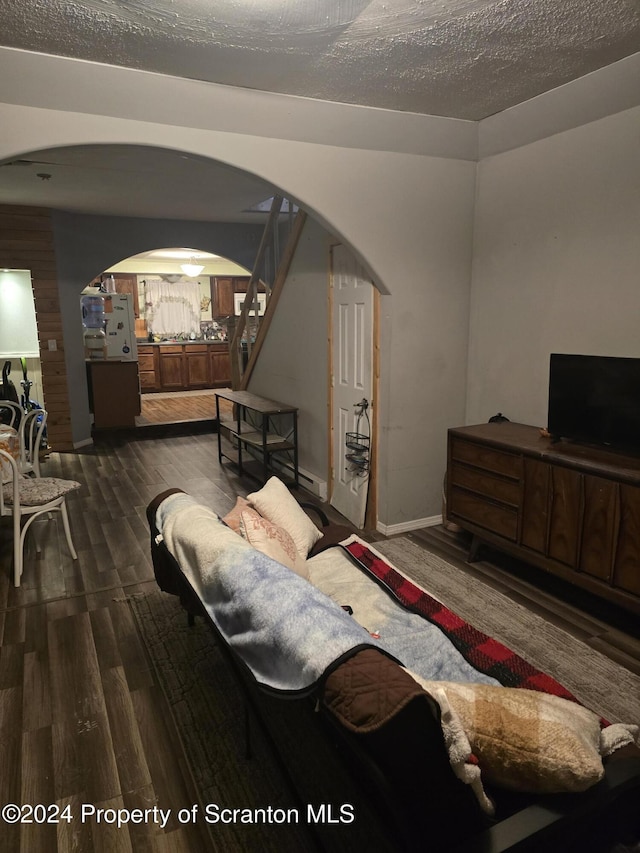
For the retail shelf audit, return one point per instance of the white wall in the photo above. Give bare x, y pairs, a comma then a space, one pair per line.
556, 262
294, 362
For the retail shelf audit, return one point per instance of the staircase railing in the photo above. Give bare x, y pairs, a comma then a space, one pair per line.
268, 276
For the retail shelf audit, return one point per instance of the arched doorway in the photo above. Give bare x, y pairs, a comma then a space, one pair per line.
182, 300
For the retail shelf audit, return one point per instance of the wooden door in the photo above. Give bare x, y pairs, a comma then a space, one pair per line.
172, 373
352, 380
626, 573
128, 283
565, 515
197, 366
220, 367
599, 527
222, 297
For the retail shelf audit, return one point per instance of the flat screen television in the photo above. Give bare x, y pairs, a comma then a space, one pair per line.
595, 400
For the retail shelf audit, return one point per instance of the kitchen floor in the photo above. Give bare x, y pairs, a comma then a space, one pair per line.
177, 407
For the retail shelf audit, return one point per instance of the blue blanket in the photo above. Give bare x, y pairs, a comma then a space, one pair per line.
288, 631
285, 630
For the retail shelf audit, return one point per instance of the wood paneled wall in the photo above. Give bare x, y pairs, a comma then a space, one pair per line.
26, 243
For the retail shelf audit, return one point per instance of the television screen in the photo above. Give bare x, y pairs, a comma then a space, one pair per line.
595, 399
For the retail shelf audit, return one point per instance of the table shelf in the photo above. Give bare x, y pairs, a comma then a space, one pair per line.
259, 431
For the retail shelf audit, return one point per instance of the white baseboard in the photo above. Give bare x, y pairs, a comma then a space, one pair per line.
406, 526
311, 482
84, 443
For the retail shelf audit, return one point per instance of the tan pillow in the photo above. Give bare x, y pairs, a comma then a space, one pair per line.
273, 541
232, 518
275, 502
526, 740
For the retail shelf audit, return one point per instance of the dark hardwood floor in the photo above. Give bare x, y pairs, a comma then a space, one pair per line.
82, 718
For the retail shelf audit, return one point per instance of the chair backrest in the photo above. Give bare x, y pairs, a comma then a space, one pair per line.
31, 428
9, 474
10, 413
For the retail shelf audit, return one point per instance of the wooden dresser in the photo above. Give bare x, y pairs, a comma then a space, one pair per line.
569, 509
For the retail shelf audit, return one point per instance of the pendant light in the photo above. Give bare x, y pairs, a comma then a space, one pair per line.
192, 269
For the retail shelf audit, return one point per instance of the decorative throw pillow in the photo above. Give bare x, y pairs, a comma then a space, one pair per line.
526, 740
232, 518
273, 541
275, 502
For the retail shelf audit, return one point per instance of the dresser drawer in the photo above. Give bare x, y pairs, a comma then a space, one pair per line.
491, 486
498, 519
486, 458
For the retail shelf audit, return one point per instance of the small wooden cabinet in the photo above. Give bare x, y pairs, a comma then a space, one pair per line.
114, 393
569, 509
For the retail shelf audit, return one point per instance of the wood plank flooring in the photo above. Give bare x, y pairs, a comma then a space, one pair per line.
82, 718
179, 407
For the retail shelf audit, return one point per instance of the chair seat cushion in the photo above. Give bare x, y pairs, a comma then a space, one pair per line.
39, 490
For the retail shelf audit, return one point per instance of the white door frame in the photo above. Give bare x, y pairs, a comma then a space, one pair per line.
370, 518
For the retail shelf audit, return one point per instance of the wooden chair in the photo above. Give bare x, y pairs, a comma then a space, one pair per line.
23, 497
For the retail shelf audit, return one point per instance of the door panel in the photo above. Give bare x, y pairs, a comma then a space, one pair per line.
565, 515
352, 368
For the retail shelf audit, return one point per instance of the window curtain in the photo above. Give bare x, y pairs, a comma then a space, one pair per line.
173, 308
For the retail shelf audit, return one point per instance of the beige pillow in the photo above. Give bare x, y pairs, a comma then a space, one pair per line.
275, 502
232, 518
526, 740
273, 541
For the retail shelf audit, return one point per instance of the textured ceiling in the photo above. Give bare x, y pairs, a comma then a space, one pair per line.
464, 59
461, 58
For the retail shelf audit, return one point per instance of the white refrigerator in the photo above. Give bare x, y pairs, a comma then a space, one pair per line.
120, 327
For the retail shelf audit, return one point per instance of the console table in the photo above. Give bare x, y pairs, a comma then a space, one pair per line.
563, 507
261, 429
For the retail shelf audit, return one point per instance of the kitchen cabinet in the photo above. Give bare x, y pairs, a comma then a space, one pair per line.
128, 283
197, 366
173, 374
184, 367
222, 291
149, 368
569, 509
220, 365
222, 296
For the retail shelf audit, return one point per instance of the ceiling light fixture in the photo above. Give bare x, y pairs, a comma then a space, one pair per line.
192, 269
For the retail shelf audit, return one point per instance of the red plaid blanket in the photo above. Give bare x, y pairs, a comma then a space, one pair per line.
483, 652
